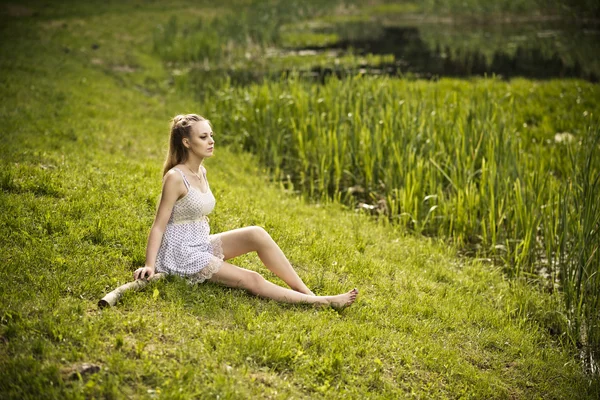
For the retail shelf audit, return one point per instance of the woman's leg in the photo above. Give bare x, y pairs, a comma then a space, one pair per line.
253, 238
232, 276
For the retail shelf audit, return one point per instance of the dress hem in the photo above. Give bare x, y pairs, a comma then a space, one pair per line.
214, 264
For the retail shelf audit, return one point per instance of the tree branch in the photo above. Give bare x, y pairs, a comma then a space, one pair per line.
111, 298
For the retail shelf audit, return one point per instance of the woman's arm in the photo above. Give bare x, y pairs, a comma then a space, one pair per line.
173, 189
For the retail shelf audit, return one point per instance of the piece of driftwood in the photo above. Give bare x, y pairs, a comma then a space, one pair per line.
111, 298
79, 370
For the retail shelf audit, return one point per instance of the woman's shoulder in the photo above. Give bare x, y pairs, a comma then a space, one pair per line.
173, 186
175, 171
174, 176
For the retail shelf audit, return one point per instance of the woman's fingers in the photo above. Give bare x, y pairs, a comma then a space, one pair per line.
140, 273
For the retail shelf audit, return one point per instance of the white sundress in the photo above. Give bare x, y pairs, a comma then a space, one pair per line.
187, 248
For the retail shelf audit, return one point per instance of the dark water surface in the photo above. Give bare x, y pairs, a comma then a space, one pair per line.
536, 50
539, 51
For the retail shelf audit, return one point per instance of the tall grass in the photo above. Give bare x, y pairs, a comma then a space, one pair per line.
238, 33
576, 249
505, 170
78, 191
482, 9
496, 167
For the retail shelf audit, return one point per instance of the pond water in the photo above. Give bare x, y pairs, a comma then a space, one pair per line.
429, 50
538, 50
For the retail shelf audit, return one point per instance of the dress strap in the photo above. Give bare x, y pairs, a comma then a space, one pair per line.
187, 184
204, 174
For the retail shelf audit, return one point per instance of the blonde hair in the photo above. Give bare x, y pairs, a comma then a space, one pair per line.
181, 127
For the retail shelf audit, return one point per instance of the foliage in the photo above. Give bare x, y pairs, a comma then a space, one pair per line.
482, 9
233, 34
491, 165
84, 120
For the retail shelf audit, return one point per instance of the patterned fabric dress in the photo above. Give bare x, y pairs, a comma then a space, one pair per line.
187, 248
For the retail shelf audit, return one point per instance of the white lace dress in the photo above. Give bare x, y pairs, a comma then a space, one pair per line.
187, 248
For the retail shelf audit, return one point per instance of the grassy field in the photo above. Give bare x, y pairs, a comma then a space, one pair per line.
85, 110
504, 169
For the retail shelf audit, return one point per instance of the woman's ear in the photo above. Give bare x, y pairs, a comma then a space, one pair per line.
186, 143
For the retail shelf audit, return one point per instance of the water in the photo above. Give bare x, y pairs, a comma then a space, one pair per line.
429, 50
540, 50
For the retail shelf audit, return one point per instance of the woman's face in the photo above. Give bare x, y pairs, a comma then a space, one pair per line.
201, 141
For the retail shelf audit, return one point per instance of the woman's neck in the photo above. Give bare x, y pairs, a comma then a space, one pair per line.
193, 164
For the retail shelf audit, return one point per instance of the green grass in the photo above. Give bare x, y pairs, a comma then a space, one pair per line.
481, 10
480, 162
81, 153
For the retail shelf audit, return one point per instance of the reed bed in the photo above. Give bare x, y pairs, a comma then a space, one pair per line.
506, 170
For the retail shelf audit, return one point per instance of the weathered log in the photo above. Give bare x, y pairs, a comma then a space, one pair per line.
111, 298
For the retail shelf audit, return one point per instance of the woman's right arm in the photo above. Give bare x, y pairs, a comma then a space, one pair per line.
173, 189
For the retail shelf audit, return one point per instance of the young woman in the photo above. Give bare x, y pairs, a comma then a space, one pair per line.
179, 241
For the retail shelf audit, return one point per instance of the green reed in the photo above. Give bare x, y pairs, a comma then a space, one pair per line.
577, 253
494, 166
230, 37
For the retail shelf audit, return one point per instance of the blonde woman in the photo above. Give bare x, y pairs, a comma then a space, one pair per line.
180, 241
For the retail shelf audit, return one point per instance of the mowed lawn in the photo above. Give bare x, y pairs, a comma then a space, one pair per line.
84, 124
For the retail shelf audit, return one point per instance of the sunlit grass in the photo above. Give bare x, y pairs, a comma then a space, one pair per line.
82, 146
306, 39
489, 164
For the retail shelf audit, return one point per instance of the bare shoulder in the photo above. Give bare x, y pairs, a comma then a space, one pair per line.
172, 190
203, 169
173, 183
172, 176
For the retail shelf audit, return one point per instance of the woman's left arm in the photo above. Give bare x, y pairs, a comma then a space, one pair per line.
173, 188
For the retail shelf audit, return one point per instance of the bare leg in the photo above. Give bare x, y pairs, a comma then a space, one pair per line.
232, 276
253, 238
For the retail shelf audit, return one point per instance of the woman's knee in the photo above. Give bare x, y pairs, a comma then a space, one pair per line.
259, 235
253, 281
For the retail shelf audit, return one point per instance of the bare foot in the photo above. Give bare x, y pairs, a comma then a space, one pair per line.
343, 300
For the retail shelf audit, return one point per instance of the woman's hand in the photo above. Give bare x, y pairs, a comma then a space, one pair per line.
140, 273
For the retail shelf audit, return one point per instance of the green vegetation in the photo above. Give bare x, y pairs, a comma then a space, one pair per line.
540, 45
501, 168
85, 111
485, 10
